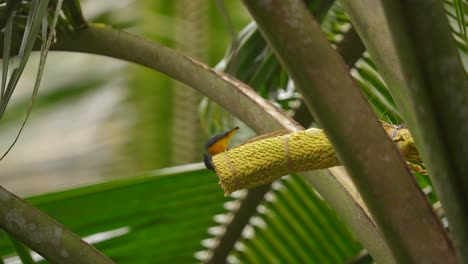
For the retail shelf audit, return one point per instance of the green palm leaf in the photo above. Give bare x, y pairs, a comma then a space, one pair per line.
160, 217
294, 225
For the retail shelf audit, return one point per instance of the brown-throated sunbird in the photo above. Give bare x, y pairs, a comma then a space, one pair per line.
216, 145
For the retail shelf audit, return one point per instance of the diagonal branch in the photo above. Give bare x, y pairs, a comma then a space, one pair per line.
45, 236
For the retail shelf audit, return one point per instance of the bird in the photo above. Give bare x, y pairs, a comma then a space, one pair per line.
217, 144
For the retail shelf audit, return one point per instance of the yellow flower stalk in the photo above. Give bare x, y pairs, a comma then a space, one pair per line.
263, 161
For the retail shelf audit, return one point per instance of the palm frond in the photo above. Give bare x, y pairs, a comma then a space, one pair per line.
37, 12
294, 225
37, 16
159, 217
457, 14
21, 250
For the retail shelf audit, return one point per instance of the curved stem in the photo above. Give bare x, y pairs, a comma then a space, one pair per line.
334, 184
225, 90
